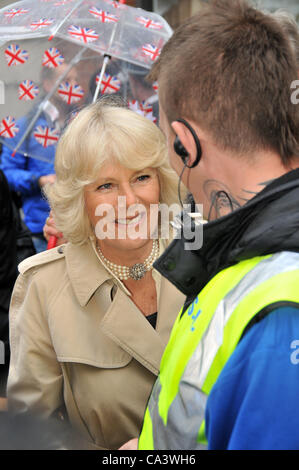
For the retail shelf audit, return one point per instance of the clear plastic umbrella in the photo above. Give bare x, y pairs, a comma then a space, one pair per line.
58, 55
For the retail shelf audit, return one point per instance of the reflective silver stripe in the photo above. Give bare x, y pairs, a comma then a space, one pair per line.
187, 411
185, 415
173, 438
199, 365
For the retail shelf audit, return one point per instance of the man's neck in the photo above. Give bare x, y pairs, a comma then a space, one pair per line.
237, 180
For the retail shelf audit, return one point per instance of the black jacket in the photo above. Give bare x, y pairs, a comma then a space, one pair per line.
267, 224
8, 257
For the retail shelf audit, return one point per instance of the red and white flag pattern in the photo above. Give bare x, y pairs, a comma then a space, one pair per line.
148, 23
42, 23
151, 51
83, 34
46, 136
70, 93
143, 108
15, 55
116, 4
28, 90
110, 83
15, 12
52, 58
156, 86
8, 127
104, 16
62, 2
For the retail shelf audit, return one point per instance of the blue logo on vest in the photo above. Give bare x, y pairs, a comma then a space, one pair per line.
195, 315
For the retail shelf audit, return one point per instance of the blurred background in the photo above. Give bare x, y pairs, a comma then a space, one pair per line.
175, 11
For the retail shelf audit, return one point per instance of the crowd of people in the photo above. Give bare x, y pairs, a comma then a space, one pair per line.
134, 341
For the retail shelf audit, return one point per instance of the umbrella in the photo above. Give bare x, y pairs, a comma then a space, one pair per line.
59, 55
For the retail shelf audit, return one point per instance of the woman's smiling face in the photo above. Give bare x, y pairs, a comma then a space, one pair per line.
119, 204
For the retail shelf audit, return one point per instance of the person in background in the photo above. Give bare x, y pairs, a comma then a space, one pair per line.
143, 91
229, 375
15, 246
89, 320
27, 176
8, 274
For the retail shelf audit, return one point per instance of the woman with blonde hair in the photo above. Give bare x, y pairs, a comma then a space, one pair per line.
90, 319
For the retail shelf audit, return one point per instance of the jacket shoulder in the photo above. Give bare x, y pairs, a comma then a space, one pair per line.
43, 258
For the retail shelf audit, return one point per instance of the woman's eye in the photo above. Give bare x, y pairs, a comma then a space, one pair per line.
143, 177
104, 186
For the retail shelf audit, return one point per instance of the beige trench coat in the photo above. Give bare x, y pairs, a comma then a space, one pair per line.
73, 346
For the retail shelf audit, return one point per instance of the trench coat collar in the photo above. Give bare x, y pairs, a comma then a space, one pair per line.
86, 271
126, 327
130, 330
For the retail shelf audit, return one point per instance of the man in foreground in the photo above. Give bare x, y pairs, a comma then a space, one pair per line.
229, 375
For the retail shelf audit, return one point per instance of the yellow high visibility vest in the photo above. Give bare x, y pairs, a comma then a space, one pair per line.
202, 341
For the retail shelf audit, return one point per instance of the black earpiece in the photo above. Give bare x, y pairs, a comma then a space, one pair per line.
180, 149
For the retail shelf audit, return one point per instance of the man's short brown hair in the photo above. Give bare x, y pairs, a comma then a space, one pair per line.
288, 22
230, 68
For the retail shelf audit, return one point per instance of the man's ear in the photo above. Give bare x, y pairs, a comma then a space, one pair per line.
187, 140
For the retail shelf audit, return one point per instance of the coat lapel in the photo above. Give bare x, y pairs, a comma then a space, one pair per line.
120, 319
128, 327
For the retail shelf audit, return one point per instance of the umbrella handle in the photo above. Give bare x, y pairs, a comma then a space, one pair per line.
52, 242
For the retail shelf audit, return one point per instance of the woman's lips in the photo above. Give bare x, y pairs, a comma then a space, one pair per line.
131, 221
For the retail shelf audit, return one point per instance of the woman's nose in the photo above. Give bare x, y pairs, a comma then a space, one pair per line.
129, 194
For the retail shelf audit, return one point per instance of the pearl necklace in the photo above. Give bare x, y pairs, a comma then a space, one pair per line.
138, 270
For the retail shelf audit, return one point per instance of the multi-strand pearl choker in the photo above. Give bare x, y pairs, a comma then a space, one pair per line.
138, 270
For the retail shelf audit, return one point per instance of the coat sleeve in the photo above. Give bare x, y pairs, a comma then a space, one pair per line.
35, 376
20, 178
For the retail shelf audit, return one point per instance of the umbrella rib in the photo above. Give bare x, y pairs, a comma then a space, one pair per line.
64, 19
105, 62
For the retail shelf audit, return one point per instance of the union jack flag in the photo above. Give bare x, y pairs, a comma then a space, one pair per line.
151, 51
28, 90
148, 23
42, 23
14, 12
62, 2
15, 56
115, 4
110, 84
143, 108
156, 87
134, 106
52, 58
46, 136
146, 107
8, 127
70, 93
104, 16
83, 34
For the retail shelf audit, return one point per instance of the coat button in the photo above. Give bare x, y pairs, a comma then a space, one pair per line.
60, 250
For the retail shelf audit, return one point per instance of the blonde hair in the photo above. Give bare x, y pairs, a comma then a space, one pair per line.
99, 133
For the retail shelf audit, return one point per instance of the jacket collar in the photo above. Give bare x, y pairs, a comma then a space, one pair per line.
86, 271
120, 319
266, 224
